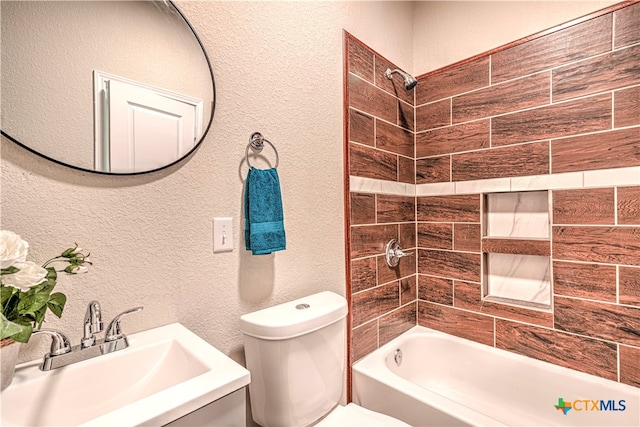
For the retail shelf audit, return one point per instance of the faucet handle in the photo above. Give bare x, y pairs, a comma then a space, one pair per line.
59, 342
113, 330
393, 253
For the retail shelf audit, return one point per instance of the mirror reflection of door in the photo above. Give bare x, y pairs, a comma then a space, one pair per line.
139, 127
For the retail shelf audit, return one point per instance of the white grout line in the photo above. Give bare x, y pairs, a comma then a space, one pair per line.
617, 284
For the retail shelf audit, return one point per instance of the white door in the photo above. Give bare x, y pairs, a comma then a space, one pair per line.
142, 127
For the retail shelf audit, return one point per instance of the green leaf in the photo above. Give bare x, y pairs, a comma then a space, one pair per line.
56, 303
30, 304
6, 292
14, 330
9, 270
45, 287
25, 334
51, 274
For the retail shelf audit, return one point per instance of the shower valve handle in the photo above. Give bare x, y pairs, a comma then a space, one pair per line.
393, 253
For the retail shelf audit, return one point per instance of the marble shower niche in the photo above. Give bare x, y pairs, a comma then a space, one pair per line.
516, 249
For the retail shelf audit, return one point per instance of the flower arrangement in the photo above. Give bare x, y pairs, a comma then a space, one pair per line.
26, 289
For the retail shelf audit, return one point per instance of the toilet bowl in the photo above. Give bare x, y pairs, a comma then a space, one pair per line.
296, 355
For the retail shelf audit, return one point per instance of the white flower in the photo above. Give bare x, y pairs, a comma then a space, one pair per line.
30, 274
12, 249
79, 269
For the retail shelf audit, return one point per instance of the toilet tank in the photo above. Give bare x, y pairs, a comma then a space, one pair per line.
296, 354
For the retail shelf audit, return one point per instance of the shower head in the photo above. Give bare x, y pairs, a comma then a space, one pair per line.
409, 81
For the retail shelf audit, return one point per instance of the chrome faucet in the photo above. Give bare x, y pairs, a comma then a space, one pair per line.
62, 354
92, 324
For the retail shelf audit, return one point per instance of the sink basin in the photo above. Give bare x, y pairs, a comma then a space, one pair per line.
164, 374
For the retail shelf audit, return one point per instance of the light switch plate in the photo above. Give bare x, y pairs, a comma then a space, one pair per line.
222, 235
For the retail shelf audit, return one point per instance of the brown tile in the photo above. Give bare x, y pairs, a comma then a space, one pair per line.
435, 289
526, 92
627, 22
539, 247
626, 107
591, 281
433, 115
363, 274
435, 235
611, 245
363, 208
464, 324
466, 237
458, 208
393, 138
372, 100
398, 321
598, 320
406, 116
576, 42
517, 160
590, 206
453, 139
574, 352
371, 163
407, 236
360, 59
454, 265
364, 340
602, 73
406, 170
375, 302
462, 78
630, 364
408, 290
468, 296
395, 85
433, 169
405, 268
395, 208
614, 149
628, 205
370, 240
558, 120
630, 286
361, 128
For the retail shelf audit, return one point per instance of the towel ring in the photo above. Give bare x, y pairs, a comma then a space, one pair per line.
256, 143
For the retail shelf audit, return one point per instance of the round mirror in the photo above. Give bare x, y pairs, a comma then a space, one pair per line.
116, 87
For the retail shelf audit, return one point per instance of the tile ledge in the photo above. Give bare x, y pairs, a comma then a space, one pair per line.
559, 181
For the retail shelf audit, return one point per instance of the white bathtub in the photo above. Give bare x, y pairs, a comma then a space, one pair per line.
448, 381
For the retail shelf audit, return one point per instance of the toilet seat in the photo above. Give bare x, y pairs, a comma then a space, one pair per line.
353, 415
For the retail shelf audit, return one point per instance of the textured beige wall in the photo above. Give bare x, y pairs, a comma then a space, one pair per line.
278, 69
446, 32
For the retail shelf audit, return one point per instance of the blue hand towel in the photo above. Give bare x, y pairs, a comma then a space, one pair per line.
264, 217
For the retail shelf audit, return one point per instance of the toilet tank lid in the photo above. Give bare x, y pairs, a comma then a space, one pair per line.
295, 318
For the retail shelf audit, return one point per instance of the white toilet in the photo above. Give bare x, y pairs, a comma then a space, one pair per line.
296, 355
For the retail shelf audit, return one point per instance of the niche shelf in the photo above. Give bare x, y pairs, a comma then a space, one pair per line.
516, 249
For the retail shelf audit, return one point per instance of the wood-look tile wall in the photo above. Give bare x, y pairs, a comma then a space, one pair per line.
563, 102
381, 118
567, 101
594, 325
381, 145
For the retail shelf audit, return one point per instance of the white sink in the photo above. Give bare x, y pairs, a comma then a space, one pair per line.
164, 374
